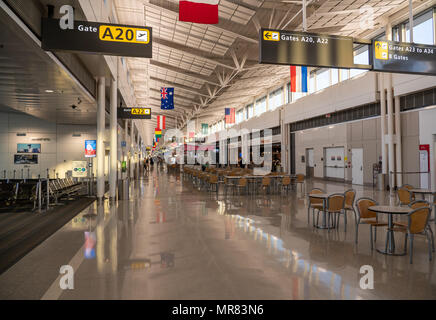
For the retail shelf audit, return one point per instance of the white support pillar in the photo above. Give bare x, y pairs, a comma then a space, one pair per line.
125, 149
411, 21
100, 137
383, 123
113, 141
132, 153
398, 141
391, 156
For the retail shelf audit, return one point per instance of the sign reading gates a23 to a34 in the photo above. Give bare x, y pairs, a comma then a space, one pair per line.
306, 49
99, 38
402, 57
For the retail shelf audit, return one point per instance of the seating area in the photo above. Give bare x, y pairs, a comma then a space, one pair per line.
239, 181
327, 210
30, 194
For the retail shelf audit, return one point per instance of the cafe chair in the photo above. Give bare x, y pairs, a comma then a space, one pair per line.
335, 205
242, 184
417, 223
286, 183
365, 216
404, 196
350, 195
266, 184
415, 205
213, 183
314, 204
228, 184
300, 180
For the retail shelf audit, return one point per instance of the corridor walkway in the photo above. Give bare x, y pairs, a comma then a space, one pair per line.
172, 241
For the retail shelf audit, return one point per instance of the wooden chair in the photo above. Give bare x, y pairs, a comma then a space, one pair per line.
417, 223
286, 183
213, 183
335, 204
404, 196
314, 204
415, 205
365, 216
300, 180
242, 184
350, 195
266, 184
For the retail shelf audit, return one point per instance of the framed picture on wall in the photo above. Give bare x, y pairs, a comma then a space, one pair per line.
28, 148
339, 158
333, 158
26, 159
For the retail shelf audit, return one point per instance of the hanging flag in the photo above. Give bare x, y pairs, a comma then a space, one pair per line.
167, 98
298, 79
230, 115
199, 11
204, 128
191, 134
158, 133
161, 122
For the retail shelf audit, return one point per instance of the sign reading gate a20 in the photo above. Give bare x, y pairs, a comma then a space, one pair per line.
99, 38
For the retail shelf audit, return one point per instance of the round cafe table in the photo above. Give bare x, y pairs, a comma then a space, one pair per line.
390, 211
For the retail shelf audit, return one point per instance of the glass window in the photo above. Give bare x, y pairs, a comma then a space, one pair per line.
335, 76
422, 29
275, 99
322, 79
240, 116
361, 56
249, 111
312, 84
288, 95
260, 106
344, 74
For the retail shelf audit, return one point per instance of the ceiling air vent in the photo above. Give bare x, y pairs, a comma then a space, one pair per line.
21, 134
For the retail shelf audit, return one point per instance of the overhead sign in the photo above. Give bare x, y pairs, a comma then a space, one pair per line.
305, 49
402, 57
79, 169
90, 148
134, 113
99, 38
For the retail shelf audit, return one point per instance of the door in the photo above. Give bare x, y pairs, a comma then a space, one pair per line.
334, 163
309, 163
357, 166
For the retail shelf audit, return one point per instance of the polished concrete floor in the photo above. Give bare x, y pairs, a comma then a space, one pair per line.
172, 241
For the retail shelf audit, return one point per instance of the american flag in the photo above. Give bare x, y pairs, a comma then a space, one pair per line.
230, 115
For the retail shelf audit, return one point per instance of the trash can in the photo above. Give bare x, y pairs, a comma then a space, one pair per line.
123, 189
382, 181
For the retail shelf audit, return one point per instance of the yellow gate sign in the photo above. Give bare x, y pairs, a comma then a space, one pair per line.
271, 35
124, 34
141, 111
381, 50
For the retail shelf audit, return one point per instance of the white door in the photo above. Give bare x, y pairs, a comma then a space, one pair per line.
334, 163
357, 166
310, 161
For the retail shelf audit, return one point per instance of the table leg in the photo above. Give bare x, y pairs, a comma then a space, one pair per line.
391, 240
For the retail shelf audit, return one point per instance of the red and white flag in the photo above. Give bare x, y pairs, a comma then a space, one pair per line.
161, 122
199, 11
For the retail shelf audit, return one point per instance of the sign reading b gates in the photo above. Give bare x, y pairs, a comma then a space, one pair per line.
134, 113
403, 57
99, 38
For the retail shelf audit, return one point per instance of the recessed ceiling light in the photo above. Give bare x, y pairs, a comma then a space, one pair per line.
49, 91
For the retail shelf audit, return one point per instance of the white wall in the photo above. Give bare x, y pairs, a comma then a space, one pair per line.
427, 135
56, 154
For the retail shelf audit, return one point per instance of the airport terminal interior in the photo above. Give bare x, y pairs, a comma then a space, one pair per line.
217, 149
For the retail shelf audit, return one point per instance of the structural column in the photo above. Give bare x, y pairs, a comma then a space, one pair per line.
113, 142
383, 124
125, 150
100, 137
398, 141
132, 153
390, 131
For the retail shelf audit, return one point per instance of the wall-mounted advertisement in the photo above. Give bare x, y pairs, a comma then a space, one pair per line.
28, 148
90, 148
26, 159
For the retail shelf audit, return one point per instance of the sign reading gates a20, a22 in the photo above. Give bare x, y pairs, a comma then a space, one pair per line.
306, 49
134, 113
99, 38
402, 57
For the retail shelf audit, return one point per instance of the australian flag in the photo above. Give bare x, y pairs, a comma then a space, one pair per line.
167, 98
